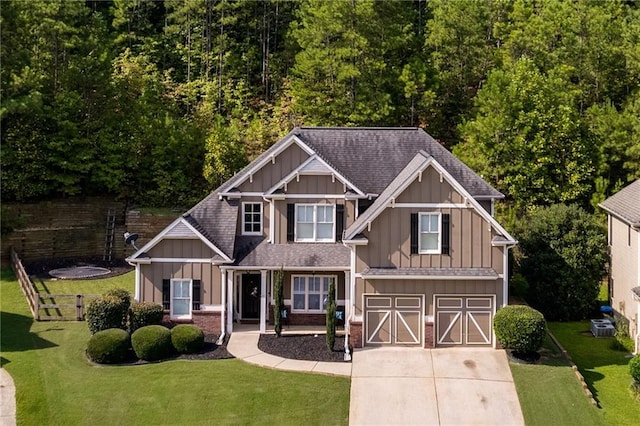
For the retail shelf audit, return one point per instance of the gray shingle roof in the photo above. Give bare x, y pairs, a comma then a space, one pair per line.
216, 220
432, 272
372, 157
256, 251
625, 204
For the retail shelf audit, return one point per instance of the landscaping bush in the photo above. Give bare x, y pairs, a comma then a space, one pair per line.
143, 314
152, 343
109, 346
125, 299
520, 328
106, 312
278, 301
634, 369
330, 318
187, 339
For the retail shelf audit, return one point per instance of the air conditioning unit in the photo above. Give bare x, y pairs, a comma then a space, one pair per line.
602, 328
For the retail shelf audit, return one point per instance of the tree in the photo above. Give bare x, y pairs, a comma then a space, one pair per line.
526, 138
331, 308
278, 300
562, 255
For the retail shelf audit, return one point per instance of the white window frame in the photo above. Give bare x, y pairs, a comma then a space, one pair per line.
172, 298
437, 250
315, 238
244, 223
306, 293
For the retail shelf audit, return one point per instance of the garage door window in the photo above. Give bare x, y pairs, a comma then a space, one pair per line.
310, 292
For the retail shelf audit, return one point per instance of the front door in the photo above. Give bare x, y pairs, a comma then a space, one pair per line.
251, 296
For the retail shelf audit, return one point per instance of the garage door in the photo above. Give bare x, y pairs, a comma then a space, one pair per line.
464, 320
393, 319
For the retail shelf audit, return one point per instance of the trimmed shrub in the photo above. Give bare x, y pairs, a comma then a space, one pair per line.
152, 343
143, 314
125, 299
109, 346
520, 328
106, 312
187, 338
634, 369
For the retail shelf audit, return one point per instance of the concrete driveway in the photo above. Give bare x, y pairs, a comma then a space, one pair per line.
413, 386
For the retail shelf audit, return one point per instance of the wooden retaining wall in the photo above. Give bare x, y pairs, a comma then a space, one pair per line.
74, 227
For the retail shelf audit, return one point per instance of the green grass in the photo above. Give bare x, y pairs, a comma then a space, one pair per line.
53, 286
56, 385
550, 393
605, 370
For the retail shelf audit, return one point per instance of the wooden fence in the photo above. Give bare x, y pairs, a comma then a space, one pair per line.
48, 307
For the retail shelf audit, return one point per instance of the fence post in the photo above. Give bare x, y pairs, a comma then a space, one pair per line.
79, 307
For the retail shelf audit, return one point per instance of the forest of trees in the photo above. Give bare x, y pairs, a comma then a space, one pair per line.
159, 102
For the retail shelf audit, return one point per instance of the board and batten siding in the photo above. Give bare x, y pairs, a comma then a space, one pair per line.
390, 242
153, 274
425, 287
429, 190
315, 184
280, 221
273, 172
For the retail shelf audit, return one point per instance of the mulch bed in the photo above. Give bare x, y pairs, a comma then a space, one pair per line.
211, 350
308, 347
41, 268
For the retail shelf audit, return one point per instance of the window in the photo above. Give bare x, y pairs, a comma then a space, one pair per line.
315, 222
181, 298
310, 292
251, 218
429, 233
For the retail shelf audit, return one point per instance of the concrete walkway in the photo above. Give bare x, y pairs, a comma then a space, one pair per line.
459, 386
244, 345
7, 399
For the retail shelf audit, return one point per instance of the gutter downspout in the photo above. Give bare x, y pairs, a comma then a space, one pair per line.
223, 312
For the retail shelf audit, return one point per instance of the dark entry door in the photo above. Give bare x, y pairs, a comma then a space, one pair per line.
251, 296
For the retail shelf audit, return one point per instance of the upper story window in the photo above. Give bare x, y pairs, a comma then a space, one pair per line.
315, 222
429, 230
251, 218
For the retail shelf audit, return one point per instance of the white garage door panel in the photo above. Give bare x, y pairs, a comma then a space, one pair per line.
464, 320
393, 319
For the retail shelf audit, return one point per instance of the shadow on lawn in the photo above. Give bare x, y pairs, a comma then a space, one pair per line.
17, 335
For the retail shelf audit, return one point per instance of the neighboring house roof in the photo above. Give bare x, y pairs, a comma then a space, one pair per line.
436, 273
258, 252
625, 204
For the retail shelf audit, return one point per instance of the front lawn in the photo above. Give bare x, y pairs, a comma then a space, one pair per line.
550, 393
605, 370
56, 385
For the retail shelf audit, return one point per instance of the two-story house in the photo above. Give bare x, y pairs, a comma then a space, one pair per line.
623, 209
404, 228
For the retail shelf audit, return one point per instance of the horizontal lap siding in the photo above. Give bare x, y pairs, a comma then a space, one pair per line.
427, 288
152, 276
270, 173
182, 249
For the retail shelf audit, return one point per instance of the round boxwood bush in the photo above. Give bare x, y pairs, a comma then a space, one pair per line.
143, 314
520, 328
634, 369
187, 339
109, 346
152, 343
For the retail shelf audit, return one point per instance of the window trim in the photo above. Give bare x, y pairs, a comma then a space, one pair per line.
244, 223
315, 239
171, 298
437, 250
306, 293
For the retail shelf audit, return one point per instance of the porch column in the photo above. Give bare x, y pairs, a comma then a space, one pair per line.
230, 297
223, 302
263, 301
347, 297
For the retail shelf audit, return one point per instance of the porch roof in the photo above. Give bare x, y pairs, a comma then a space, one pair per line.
258, 252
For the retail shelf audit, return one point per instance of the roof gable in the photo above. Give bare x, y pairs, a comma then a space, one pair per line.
403, 180
625, 204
